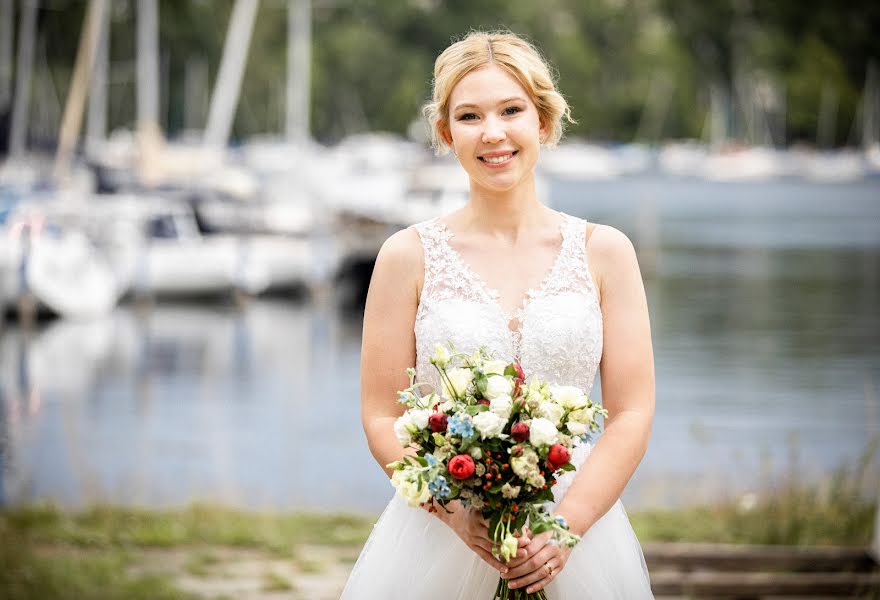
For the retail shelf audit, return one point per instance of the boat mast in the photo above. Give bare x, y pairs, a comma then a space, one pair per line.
299, 47
228, 86
96, 128
6, 39
79, 87
27, 33
148, 132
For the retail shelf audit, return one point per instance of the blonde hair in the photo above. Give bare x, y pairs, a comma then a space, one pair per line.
513, 54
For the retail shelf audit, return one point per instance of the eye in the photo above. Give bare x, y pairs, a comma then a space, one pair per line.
467, 117
512, 110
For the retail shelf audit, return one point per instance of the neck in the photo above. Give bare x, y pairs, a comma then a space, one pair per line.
505, 214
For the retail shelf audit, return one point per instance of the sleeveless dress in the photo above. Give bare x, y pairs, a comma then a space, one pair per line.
411, 553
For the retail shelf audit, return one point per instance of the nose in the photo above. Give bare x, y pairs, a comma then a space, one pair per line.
493, 130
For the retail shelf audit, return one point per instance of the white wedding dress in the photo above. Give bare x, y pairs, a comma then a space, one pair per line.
412, 554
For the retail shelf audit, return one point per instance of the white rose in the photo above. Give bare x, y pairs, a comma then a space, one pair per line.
494, 367
501, 406
409, 489
489, 424
542, 432
576, 428
401, 429
498, 385
568, 396
460, 379
441, 356
550, 411
419, 418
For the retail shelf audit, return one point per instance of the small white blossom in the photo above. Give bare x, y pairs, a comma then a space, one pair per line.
441, 356
510, 491
509, 547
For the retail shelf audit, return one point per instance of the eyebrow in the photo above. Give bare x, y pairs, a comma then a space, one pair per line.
505, 101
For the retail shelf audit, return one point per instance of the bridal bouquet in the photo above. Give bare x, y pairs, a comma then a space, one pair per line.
493, 442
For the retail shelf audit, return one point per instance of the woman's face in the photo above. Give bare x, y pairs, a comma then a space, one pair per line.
494, 128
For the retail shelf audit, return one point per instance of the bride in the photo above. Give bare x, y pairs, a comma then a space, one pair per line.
562, 296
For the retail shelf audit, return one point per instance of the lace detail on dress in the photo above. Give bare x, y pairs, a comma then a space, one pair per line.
559, 333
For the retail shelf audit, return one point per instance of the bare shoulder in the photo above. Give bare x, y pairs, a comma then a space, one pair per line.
607, 242
401, 258
402, 247
612, 255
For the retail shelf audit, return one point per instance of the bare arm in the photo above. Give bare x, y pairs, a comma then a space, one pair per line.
387, 350
627, 370
388, 346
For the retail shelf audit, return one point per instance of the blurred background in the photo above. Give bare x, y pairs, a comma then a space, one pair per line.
193, 192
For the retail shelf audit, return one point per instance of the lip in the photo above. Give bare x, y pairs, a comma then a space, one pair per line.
496, 154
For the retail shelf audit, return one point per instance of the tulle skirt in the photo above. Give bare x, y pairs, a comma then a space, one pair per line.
412, 554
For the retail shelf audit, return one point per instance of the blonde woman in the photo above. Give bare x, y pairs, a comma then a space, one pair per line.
559, 294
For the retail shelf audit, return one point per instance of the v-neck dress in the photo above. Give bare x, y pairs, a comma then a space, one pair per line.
556, 334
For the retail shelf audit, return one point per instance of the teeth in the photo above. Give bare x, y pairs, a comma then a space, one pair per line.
496, 159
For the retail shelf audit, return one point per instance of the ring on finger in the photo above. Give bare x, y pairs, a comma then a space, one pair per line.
549, 569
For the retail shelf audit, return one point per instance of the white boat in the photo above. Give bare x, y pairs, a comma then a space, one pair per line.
752, 163
581, 161
682, 159
59, 268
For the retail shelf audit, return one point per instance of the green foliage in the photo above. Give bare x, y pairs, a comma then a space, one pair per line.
372, 60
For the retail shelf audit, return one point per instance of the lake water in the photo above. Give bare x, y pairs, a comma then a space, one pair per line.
764, 304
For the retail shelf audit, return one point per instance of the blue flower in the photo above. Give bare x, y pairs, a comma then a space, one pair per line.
560, 520
439, 488
432, 460
461, 426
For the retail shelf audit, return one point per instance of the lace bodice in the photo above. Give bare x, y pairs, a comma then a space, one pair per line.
558, 334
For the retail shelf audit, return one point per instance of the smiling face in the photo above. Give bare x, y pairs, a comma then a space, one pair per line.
495, 129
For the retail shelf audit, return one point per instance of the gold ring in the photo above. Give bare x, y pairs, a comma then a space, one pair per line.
549, 569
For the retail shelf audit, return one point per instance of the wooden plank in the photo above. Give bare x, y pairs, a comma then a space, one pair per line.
757, 585
734, 557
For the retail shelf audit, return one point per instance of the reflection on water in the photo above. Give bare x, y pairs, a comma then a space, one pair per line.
764, 311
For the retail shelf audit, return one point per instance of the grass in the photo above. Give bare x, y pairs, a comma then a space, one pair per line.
104, 553
788, 513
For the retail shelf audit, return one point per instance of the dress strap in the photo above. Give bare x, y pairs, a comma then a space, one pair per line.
434, 238
573, 271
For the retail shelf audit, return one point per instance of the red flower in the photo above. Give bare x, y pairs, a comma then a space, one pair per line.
557, 456
437, 422
519, 432
461, 466
484, 402
519, 371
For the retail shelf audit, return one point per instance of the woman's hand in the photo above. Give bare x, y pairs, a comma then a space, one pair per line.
541, 564
473, 529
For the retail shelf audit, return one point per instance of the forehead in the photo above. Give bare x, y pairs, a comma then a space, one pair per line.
486, 85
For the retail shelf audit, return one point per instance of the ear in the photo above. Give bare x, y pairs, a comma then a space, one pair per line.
543, 130
443, 128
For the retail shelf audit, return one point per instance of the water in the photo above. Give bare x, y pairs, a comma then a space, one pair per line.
766, 332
